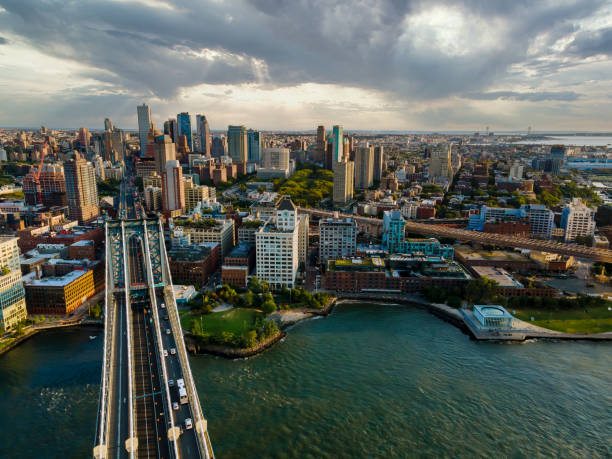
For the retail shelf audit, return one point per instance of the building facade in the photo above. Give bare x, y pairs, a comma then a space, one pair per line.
344, 173
255, 144
81, 190
203, 133
364, 167
578, 219
277, 247
237, 143
183, 125
12, 294
337, 239
144, 125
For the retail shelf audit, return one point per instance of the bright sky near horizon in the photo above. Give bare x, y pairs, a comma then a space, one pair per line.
294, 64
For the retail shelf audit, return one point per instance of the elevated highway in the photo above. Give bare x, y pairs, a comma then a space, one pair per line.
504, 240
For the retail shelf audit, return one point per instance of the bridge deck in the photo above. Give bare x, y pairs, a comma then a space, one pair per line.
150, 422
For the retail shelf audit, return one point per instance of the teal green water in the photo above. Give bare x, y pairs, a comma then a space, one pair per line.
367, 381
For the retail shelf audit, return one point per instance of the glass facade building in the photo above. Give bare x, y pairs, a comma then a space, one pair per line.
183, 122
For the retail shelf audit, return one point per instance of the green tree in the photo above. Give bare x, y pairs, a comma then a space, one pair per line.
250, 338
480, 290
268, 306
270, 328
196, 328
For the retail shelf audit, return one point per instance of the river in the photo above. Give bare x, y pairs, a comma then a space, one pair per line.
369, 380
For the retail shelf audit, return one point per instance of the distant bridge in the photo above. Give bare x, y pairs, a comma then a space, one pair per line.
374, 226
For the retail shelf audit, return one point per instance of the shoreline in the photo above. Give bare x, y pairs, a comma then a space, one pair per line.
288, 318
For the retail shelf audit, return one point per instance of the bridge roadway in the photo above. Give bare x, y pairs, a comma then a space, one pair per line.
144, 352
504, 240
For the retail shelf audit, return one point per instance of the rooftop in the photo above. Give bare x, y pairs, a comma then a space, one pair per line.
492, 310
242, 250
61, 281
499, 275
470, 253
191, 252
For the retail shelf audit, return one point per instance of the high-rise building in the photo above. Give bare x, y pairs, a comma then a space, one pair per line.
578, 219
144, 125
277, 246
170, 129
219, 146
12, 294
84, 138
81, 191
364, 167
320, 143
379, 163
254, 139
557, 159
183, 124
344, 174
440, 164
108, 125
163, 151
337, 144
153, 198
237, 143
173, 188
337, 238
203, 133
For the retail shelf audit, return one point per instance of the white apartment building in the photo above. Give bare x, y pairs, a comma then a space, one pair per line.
440, 164
578, 219
278, 246
12, 294
337, 238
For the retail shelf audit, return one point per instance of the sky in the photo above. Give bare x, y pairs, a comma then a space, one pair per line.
295, 64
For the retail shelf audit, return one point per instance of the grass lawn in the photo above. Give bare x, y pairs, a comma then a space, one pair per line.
596, 320
236, 321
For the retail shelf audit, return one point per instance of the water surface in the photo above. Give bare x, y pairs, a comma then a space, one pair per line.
369, 380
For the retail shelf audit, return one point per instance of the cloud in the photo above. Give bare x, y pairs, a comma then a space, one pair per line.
411, 52
3, 41
566, 96
592, 43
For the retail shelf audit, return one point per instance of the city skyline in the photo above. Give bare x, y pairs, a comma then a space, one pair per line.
415, 67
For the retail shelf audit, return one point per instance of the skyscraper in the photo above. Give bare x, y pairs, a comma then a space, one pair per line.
144, 125
203, 132
237, 143
183, 124
163, 151
254, 139
170, 129
344, 173
81, 191
338, 143
84, 138
173, 188
12, 294
379, 163
557, 159
108, 125
320, 143
219, 146
364, 167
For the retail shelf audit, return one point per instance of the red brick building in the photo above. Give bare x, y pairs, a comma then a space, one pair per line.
238, 265
193, 265
29, 238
